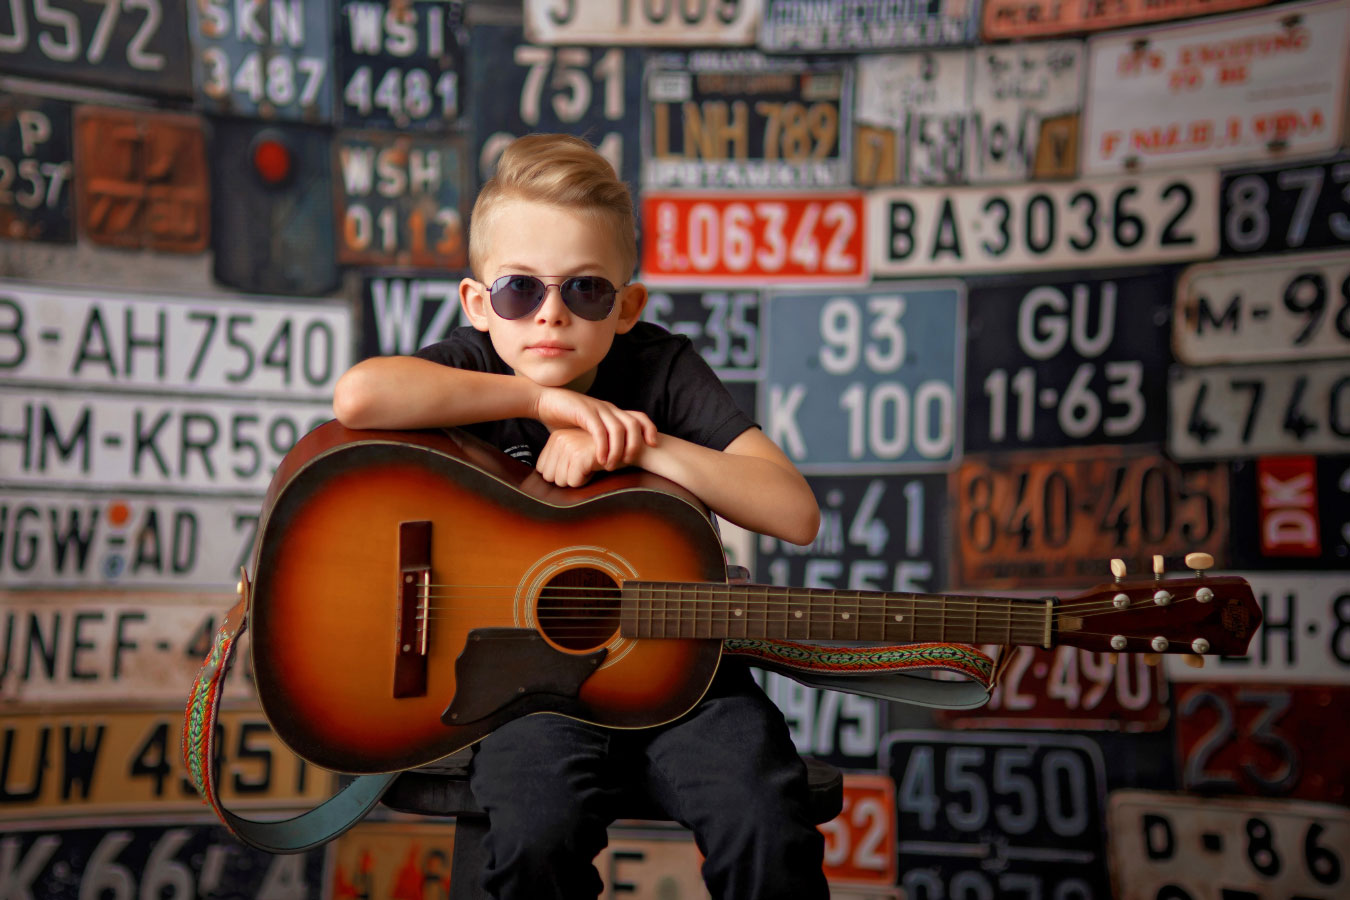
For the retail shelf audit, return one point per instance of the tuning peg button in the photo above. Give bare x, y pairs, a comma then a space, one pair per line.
1199, 562
1162, 598
1119, 642
1121, 600
1200, 645
1204, 595
1118, 568
1159, 643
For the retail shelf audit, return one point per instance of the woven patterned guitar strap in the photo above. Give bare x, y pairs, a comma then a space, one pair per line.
876, 671
309, 829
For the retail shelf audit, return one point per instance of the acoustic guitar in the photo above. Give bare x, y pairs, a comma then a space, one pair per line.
413, 590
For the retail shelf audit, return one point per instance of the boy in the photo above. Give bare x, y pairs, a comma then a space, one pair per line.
557, 370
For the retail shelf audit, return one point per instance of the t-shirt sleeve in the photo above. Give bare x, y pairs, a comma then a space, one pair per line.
699, 406
463, 348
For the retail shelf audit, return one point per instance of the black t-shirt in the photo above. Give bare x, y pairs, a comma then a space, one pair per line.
648, 369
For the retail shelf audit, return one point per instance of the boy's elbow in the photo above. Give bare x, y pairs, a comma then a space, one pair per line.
801, 529
352, 403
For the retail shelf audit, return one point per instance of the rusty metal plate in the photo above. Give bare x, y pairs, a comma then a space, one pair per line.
142, 180
1071, 688
1033, 519
137, 45
36, 169
399, 200
263, 60
1274, 740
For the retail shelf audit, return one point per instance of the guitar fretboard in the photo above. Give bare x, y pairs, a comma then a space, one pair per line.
653, 609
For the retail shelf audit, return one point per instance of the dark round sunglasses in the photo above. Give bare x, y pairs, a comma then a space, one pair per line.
516, 296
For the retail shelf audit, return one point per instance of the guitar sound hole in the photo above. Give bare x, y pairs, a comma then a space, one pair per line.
579, 609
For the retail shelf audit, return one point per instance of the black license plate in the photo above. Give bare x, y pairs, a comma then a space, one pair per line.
139, 45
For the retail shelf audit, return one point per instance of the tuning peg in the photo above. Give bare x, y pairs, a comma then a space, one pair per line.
1158, 566
1113, 658
1193, 660
1152, 659
1199, 562
1118, 569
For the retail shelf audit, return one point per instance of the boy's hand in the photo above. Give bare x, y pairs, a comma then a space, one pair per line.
617, 435
568, 459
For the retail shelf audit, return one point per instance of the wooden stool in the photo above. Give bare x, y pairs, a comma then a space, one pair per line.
442, 789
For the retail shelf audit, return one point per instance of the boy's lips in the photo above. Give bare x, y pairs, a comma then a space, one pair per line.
549, 348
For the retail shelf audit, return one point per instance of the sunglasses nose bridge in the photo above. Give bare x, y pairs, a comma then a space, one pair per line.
542, 310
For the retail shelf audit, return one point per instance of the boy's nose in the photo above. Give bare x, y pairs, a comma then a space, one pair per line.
552, 309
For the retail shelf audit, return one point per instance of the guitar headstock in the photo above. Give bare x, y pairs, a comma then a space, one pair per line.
1198, 614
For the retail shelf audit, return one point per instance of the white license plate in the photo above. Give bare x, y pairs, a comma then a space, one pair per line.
1266, 309
114, 648
1178, 845
1226, 411
172, 445
1195, 94
59, 539
973, 116
1126, 221
82, 337
695, 23
1301, 641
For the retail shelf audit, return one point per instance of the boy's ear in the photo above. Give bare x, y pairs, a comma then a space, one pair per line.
632, 300
473, 299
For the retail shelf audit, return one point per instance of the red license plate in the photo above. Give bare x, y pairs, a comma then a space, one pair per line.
860, 842
1036, 519
1071, 688
1259, 738
143, 181
704, 237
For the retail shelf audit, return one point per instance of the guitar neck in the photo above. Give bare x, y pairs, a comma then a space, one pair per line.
653, 609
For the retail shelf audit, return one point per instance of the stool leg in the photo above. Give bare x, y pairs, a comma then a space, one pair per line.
469, 859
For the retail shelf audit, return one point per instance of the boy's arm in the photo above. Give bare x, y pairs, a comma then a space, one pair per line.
401, 392
751, 483
407, 392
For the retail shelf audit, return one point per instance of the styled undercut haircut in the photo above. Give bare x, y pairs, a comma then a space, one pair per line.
564, 171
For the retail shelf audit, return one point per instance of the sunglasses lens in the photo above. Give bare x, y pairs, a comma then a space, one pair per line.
516, 296
588, 296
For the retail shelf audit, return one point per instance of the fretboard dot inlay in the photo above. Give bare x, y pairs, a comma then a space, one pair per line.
798, 614
899, 618
738, 612
844, 615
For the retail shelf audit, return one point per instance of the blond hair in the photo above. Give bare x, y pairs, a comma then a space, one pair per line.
560, 170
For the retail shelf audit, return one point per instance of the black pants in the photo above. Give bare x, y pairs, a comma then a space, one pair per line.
727, 770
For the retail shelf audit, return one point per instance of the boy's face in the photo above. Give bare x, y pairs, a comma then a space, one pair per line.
552, 345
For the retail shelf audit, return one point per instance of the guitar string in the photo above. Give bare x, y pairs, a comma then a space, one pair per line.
951, 620
1031, 609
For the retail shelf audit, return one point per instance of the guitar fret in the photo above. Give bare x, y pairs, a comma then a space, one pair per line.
704, 611
798, 626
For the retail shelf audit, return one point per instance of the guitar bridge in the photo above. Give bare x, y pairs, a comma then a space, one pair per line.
414, 608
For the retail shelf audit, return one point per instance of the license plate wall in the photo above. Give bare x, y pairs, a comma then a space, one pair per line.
1027, 290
